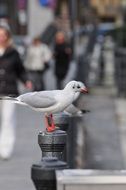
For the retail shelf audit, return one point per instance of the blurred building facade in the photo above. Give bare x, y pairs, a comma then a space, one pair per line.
29, 17
25, 17
15, 14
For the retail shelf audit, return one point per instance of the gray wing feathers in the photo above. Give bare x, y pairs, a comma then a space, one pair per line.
72, 109
37, 99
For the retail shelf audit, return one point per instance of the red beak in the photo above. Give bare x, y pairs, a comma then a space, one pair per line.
84, 90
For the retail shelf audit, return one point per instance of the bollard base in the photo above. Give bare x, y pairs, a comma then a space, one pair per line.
43, 173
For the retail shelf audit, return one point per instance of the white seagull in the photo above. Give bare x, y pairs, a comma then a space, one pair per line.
50, 102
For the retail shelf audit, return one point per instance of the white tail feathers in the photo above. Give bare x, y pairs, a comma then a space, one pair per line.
15, 100
7, 98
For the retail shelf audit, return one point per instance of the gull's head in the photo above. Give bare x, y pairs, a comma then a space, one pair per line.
76, 86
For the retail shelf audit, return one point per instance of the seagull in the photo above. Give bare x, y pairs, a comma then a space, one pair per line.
51, 102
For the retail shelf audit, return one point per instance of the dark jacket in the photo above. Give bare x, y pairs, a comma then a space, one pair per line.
62, 60
11, 69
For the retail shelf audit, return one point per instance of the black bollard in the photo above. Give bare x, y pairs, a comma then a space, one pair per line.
62, 121
52, 145
69, 124
43, 173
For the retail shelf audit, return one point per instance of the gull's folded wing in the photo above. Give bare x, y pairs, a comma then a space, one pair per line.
38, 99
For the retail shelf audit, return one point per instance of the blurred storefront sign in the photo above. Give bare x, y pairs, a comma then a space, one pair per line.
21, 4
48, 3
44, 2
52, 4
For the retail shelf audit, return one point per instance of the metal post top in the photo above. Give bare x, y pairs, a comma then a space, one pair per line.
49, 138
53, 133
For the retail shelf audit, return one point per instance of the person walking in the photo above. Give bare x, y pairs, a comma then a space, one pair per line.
62, 56
11, 69
37, 61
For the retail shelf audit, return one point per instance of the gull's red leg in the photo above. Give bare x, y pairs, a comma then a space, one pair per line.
49, 125
52, 122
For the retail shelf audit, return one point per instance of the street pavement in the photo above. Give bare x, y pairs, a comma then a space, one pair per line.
103, 141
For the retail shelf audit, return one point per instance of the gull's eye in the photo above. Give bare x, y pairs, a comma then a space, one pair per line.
78, 86
73, 86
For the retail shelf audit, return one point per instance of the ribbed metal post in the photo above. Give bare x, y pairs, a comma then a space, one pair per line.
52, 145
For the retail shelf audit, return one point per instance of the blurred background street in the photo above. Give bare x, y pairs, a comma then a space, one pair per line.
92, 34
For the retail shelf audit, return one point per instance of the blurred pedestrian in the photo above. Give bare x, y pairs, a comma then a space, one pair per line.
37, 61
11, 69
62, 56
